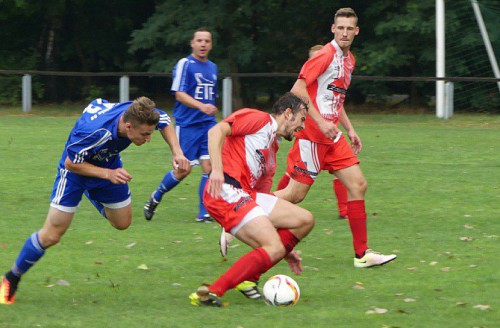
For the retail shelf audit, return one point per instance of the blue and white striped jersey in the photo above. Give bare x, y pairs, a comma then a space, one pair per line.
199, 80
94, 138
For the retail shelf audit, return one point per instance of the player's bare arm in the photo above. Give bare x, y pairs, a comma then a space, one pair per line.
216, 137
189, 101
179, 161
328, 128
351, 133
116, 176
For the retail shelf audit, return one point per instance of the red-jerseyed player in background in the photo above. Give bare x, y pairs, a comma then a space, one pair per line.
323, 82
338, 188
243, 150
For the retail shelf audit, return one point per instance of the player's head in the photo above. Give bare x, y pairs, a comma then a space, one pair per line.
140, 120
345, 27
314, 49
290, 111
201, 43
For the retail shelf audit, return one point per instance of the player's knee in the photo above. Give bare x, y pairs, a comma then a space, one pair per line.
179, 175
296, 197
276, 251
48, 239
121, 223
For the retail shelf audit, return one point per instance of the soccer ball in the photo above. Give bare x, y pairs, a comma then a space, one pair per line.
281, 290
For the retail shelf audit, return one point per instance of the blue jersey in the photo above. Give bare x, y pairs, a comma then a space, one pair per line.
94, 138
199, 80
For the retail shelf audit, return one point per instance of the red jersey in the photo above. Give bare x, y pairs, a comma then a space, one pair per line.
249, 153
327, 75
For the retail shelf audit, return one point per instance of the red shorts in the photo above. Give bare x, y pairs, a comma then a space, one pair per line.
307, 158
235, 207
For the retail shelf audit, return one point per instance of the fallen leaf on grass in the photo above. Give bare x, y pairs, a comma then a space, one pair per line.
62, 283
181, 198
143, 267
467, 216
131, 245
98, 262
460, 303
445, 269
466, 226
472, 266
409, 300
403, 311
433, 263
199, 238
481, 307
89, 242
376, 310
357, 287
399, 294
466, 238
412, 268
176, 242
311, 268
328, 231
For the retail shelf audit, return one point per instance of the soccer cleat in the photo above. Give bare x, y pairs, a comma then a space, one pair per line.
372, 258
150, 207
250, 290
203, 297
8, 291
205, 218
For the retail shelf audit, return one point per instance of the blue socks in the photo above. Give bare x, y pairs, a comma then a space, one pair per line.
168, 183
31, 252
203, 211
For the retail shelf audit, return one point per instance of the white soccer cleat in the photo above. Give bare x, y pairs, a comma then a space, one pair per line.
372, 258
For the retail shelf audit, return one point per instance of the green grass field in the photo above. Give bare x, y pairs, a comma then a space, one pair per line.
433, 198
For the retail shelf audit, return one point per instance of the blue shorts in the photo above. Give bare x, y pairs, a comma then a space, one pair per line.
69, 188
194, 141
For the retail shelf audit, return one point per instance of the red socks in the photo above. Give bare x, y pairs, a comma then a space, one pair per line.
283, 182
357, 220
341, 194
248, 266
251, 265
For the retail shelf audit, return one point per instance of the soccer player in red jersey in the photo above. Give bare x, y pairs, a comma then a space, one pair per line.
323, 82
243, 150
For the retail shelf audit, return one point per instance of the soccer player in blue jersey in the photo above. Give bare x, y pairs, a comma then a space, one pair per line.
195, 89
90, 164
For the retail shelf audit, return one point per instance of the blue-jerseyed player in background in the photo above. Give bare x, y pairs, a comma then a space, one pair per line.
195, 88
90, 164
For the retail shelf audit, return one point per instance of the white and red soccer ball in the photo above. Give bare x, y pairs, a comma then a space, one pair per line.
281, 290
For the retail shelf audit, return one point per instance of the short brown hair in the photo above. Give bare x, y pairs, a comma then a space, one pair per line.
346, 12
141, 111
289, 100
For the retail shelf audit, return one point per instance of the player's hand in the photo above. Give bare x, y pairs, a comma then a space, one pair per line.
209, 109
356, 144
294, 262
180, 163
119, 176
215, 183
329, 129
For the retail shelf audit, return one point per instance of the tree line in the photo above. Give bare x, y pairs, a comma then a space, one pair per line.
397, 38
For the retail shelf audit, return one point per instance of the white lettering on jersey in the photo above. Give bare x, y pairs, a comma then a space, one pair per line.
204, 89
